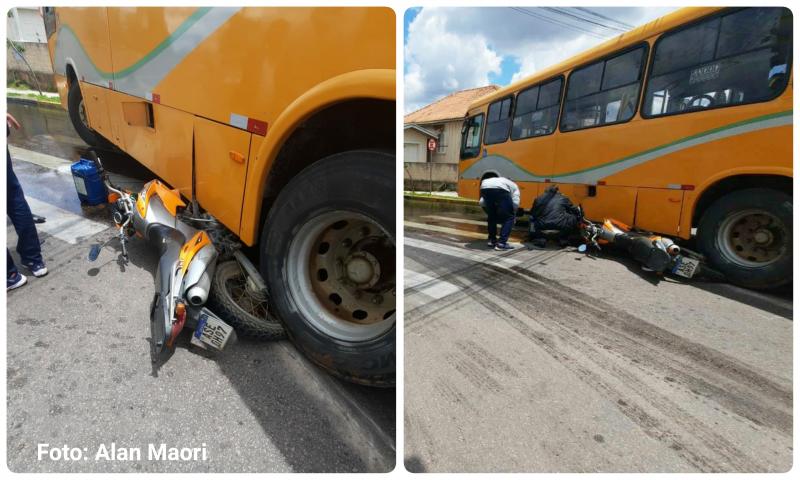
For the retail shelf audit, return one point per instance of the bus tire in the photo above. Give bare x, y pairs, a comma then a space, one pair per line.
77, 115
331, 227
747, 236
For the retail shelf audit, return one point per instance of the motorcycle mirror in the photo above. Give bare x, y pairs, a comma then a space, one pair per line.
582, 248
94, 252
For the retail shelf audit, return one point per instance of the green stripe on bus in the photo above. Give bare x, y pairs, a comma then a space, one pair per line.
664, 146
193, 18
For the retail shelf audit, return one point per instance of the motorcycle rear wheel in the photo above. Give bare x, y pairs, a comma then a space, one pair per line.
238, 305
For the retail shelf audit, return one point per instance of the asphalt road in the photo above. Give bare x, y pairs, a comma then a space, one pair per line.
79, 369
547, 360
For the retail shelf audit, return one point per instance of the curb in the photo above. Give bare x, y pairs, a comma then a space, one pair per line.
32, 102
440, 199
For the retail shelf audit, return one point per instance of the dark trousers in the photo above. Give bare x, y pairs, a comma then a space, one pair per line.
499, 209
28, 245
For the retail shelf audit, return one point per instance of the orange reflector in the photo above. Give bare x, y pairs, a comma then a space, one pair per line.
113, 197
236, 156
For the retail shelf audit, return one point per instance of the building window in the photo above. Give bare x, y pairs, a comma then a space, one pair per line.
441, 147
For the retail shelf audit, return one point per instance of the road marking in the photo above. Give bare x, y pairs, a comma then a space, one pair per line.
41, 159
491, 256
64, 225
429, 286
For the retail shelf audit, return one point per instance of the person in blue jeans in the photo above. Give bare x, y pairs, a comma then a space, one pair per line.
28, 245
500, 200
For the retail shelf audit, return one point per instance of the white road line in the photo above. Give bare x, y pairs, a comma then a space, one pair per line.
433, 287
64, 225
487, 255
41, 159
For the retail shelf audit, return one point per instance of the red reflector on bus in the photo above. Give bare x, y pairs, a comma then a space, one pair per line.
601, 182
687, 187
156, 98
546, 180
256, 126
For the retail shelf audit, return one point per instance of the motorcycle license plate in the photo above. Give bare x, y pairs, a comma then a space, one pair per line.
211, 331
685, 267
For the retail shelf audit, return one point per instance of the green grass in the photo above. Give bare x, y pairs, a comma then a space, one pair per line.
36, 96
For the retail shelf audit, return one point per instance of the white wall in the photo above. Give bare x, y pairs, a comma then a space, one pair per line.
25, 24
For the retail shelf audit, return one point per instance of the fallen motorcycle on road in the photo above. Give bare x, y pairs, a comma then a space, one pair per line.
188, 278
554, 216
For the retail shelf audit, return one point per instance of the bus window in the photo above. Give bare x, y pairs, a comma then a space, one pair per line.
498, 121
471, 136
537, 110
605, 92
742, 57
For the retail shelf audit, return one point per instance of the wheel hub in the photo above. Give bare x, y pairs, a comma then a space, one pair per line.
363, 269
753, 238
341, 274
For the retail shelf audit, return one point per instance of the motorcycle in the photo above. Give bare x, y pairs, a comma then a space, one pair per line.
654, 252
188, 253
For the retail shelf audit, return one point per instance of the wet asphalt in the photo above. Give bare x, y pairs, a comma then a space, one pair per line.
548, 360
79, 369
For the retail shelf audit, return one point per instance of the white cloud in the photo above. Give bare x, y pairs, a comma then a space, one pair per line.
451, 49
440, 61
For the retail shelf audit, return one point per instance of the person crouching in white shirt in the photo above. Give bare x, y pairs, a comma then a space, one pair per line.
500, 200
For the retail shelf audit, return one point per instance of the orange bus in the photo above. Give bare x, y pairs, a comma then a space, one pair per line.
280, 123
682, 126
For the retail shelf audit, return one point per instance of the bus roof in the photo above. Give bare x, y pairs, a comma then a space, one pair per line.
654, 27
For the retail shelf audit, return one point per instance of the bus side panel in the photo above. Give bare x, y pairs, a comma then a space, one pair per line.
94, 101
221, 156
136, 32
609, 202
82, 40
166, 148
659, 210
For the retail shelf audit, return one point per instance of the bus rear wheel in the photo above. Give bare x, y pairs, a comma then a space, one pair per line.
747, 235
78, 117
328, 255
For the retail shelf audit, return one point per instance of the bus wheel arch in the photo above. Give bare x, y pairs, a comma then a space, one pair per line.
77, 111
368, 124
744, 227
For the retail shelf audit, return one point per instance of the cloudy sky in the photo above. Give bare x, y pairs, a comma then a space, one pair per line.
449, 49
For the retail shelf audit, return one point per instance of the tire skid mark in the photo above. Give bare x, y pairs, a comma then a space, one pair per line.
645, 338
649, 424
473, 372
702, 371
451, 394
486, 359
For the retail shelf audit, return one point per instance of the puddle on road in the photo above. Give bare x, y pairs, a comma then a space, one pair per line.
48, 130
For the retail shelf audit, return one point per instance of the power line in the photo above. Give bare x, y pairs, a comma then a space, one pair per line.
557, 22
566, 13
599, 15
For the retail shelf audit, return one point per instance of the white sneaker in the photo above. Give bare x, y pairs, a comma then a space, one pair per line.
16, 282
37, 269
